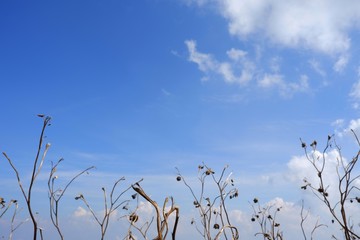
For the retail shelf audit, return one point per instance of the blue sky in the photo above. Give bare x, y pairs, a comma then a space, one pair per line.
138, 88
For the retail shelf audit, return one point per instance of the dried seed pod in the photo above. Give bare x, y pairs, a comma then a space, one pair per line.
133, 218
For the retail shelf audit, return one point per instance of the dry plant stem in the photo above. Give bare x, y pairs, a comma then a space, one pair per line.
234, 229
133, 218
266, 218
113, 204
143, 230
6, 207
345, 185
206, 207
110, 205
205, 233
13, 227
303, 219
222, 186
55, 195
35, 172
162, 216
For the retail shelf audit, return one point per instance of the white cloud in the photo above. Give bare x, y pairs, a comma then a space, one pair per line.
317, 67
240, 70
321, 26
354, 124
236, 54
145, 208
227, 69
270, 80
355, 92
316, 25
300, 168
338, 124
341, 63
286, 89
205, 62
341, 131
81, 212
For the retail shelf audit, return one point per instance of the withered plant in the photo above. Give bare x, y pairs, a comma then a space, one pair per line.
162, 217
270, 228
4, 208
14, 226
55, 194
347, 190
133, 218
36, 168
213, 213
265, 216
112, 203
304, 215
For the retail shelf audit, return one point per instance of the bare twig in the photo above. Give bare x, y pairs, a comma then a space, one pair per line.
36, 168
211, 210
110, 206
265, 216
162, 215
55, 194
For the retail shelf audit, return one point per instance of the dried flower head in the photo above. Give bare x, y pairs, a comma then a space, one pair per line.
133, 218
313, 144
80, 196
209, 171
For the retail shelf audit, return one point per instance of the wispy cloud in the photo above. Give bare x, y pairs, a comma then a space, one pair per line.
247, 72
316, 66
341, 63
355, 92
286, 89
165, 92
81, 212
322, 27
204, 61
352, 125
238, 70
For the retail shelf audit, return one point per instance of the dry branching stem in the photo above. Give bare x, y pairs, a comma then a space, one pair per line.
110, 206
346, 184
55, 194
37, 165
162, 215
211, 210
